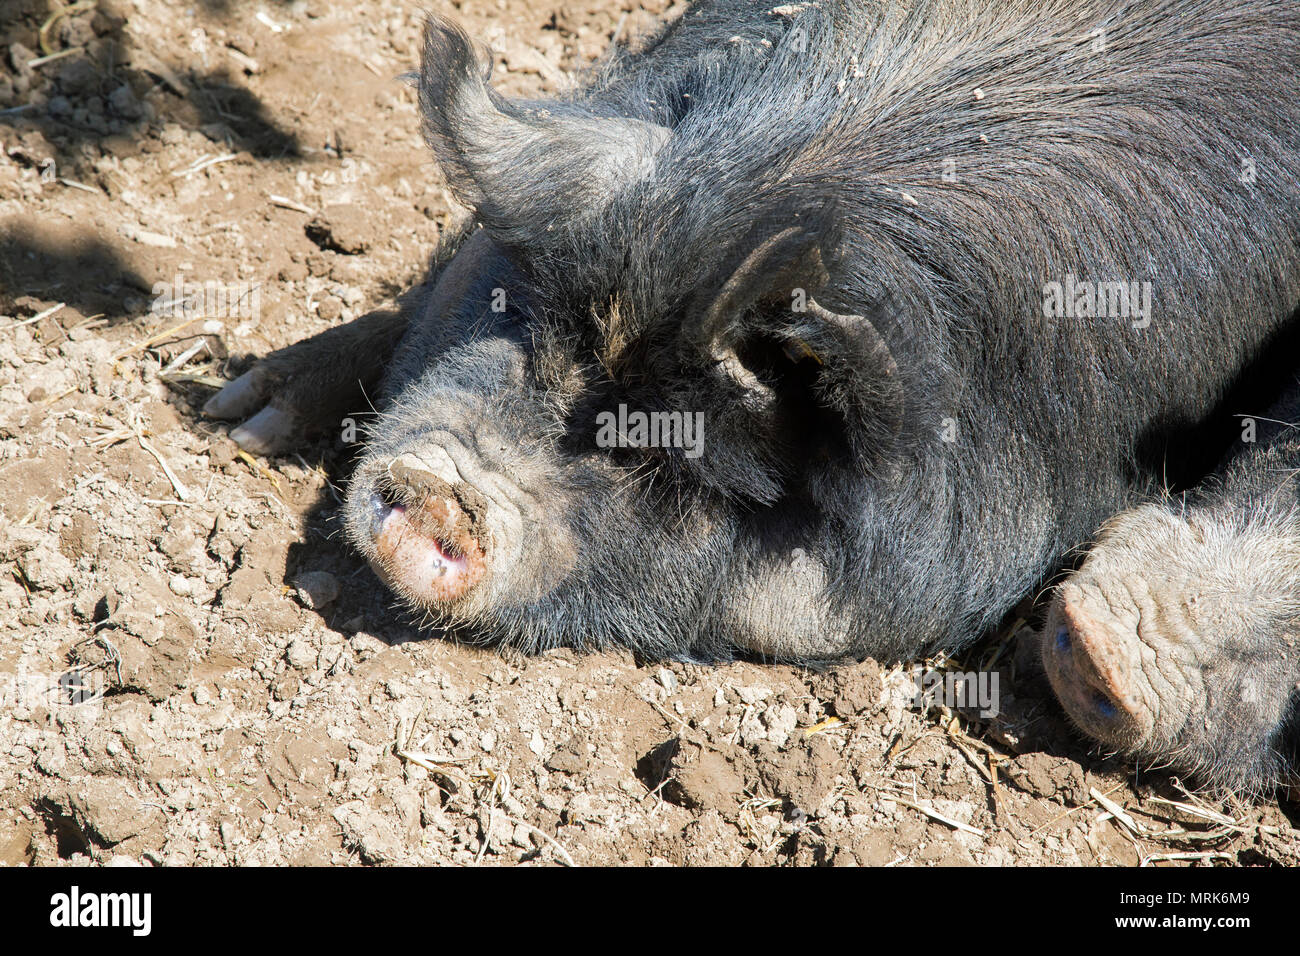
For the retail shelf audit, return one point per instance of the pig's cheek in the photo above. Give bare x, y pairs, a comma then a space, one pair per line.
533, 552
530, 518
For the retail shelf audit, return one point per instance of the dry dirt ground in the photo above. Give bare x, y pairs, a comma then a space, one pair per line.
265, 703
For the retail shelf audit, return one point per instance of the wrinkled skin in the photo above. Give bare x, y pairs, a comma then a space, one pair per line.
1178, 640
750, 221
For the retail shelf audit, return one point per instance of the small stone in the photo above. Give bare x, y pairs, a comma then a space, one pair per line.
293, 272
222, 452
123, 102
109, 811
285, 687
148, 627
348, 229
702, 779
373, 835
301, 654
571, 756
78, 78
330, 308
316, 589
780, 721
45, 568
18, 57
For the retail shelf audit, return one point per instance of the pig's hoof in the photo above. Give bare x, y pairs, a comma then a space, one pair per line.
1170, 643
309, 387
241, 397
268, 430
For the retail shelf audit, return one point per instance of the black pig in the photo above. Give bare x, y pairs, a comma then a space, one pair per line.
1179, 638
947, 284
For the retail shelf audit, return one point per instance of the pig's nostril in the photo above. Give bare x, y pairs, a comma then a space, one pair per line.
425, 549
1105, 706
388, 496
378, 508
1063, 639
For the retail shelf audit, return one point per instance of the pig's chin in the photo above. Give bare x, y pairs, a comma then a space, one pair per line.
431, 570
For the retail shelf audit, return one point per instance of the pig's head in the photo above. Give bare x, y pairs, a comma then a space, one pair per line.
638, 408
1177, 638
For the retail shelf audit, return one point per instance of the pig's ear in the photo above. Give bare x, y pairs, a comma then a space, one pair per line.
525, 169
769, 266
856, 376
859, 378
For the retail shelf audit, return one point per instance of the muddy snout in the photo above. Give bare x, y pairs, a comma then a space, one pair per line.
428, 537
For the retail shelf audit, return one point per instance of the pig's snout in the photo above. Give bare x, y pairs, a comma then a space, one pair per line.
1092, 656
428, 535
1170, 640
1128, 636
